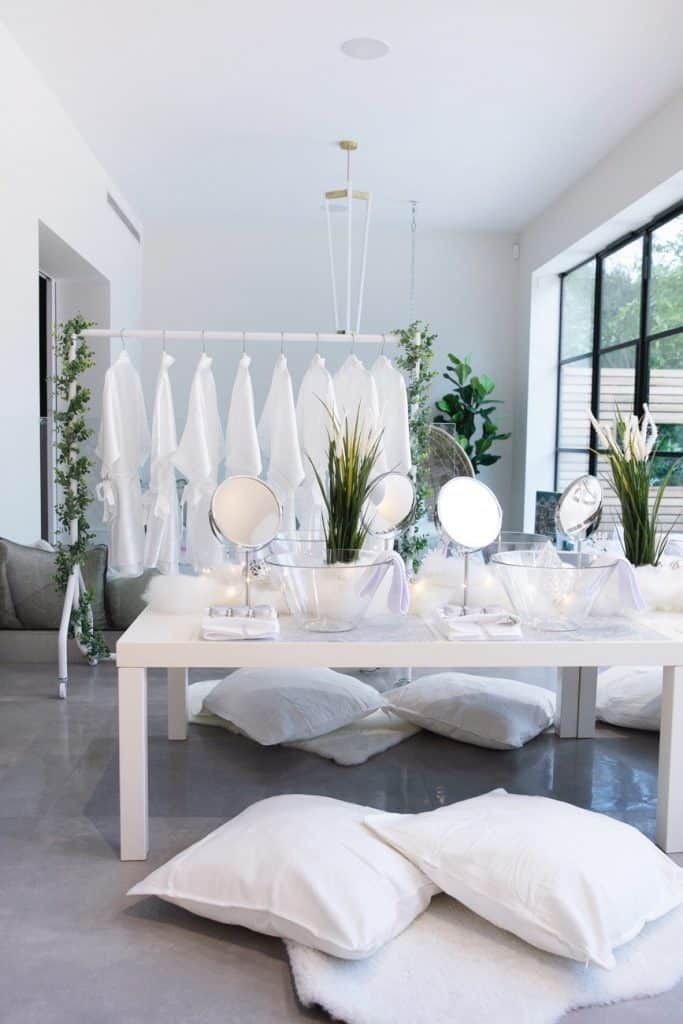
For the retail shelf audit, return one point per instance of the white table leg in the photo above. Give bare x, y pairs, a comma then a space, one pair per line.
588, 692
177, 703
576, 703
568, 702
133, 767
669, 831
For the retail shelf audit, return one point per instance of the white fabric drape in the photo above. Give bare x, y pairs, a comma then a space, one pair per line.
279, 438
242, 451
315, 405
356, 395
162, 540
393, 411
198, 457
123, 447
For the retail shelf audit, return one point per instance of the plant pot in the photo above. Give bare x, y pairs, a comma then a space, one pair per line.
327, 596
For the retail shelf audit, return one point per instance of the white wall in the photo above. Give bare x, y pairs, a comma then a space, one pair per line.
48, 175
638, 179
275, 276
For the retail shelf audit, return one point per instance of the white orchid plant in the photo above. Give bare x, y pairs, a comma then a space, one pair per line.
630, 446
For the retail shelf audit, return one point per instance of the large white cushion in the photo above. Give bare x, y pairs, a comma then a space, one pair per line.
301, 867
630, 696
283, 705
483, 710
569, 881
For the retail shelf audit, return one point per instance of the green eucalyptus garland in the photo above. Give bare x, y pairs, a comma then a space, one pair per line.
415, 359
71, 474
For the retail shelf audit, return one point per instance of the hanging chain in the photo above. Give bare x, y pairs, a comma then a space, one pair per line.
413, 239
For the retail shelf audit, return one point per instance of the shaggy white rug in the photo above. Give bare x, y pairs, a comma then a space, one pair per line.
352, 744
452, 967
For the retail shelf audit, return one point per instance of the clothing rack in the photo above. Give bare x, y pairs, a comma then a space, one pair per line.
244, 337
76, 586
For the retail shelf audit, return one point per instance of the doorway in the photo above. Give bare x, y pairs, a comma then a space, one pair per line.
45, 373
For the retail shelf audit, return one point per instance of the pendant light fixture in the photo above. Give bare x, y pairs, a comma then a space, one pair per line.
351, 196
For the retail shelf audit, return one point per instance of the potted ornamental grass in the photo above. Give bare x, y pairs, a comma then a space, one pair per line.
329, 583
630, 447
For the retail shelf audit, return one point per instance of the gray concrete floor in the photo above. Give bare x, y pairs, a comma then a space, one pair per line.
74, 948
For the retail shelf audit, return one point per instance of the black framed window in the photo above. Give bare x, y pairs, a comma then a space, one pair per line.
621, 346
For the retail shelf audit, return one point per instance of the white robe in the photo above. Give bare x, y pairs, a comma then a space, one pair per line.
393, 410
242, 451
356, 394
123, 447
314, 404
162, 540
198, 457
279, 438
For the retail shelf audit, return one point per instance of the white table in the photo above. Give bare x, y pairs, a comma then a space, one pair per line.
173, 642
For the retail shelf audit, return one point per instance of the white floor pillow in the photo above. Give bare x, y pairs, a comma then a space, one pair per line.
483, 710
300, 867
631, 697
283, 705
569, 881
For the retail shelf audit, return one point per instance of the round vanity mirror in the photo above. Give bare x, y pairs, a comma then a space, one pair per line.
469, 513
391, 504
579, 509
245, 511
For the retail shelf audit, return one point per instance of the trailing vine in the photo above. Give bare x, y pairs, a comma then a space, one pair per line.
415, 359
71, 474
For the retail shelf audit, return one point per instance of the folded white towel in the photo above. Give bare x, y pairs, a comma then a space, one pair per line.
485, 623
239, 627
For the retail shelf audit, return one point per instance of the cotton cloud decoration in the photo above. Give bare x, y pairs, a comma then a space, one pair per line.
440, 581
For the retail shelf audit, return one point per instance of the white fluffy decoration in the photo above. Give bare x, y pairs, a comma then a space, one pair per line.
187, 595
440, 581
660, 585
452, 967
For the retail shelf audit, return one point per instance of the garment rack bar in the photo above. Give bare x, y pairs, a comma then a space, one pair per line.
243, 337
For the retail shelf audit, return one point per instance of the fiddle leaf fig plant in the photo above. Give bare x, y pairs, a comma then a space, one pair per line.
469, 410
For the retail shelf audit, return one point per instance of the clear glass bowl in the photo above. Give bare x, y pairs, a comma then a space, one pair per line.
550, 596
511, 540
326, 593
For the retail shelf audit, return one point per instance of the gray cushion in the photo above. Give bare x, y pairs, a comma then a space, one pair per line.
124, 597
37, 601
8, 615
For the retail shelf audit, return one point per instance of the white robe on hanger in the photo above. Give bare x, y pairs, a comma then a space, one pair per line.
123, 447
315, 398
162, 540
242, 451
356, 394
393, 410
198, 457
279, 438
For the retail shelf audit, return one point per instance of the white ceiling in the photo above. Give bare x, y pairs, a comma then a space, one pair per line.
484, 111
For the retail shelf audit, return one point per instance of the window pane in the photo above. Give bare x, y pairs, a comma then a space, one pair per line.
578, 301
671, 509
665, 304
620, 302
617, 383
666, 390
575, 403
569, 466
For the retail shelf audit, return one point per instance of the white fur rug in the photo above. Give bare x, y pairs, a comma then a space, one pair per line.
352, 744
452, 967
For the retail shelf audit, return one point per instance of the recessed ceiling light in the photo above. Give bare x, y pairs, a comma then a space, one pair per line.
365, 49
